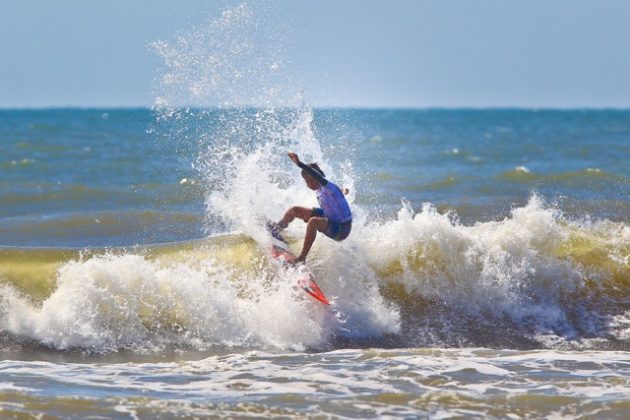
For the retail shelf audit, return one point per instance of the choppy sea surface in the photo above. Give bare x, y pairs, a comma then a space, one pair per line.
487, 273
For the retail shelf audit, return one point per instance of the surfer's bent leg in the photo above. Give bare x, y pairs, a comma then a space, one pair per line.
293, 213
314, 224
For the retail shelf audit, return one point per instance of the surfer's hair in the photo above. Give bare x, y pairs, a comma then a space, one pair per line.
317, 169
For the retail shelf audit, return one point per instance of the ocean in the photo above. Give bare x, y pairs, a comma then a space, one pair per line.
487, 273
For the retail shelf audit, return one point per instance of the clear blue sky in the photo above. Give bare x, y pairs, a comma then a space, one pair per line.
442, 53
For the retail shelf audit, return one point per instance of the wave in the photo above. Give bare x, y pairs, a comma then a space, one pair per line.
53, 194
534, 279
121, 227
582, 178
445, 183
187, 295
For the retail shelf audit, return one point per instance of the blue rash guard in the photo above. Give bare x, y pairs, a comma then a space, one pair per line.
333, 203
333, 206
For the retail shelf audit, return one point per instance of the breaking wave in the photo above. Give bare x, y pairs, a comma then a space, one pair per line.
535, 279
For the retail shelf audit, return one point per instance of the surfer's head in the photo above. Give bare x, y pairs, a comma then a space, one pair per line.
311, 182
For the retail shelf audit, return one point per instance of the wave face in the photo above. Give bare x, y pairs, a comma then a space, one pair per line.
533, 280
193, 296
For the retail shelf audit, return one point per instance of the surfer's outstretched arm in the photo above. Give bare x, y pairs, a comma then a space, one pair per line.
308, 169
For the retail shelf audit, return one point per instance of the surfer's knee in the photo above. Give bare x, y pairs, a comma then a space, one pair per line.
299, 213
318, 223
292, 213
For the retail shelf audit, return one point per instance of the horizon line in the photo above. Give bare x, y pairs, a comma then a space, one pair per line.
324, 107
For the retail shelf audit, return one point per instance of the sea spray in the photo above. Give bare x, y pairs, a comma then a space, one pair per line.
230, 60
226, 94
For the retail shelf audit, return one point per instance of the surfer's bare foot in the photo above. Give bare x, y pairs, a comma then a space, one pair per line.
275, 228
299, 260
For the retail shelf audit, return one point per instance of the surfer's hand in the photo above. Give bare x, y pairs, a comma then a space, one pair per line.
294, 157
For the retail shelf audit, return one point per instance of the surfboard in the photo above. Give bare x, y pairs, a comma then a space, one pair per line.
281, 252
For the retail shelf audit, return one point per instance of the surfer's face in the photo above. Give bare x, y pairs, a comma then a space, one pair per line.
310, 181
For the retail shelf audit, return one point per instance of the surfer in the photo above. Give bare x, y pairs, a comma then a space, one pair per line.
333, 218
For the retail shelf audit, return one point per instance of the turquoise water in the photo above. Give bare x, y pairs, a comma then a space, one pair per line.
64, 171
487, 273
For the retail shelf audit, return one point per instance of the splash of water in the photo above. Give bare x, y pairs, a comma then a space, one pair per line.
234, 63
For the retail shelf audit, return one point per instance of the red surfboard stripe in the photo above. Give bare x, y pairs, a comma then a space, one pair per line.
308, 284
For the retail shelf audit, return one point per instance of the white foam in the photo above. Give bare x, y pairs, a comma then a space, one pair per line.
338, 379
129, 301
506, 267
